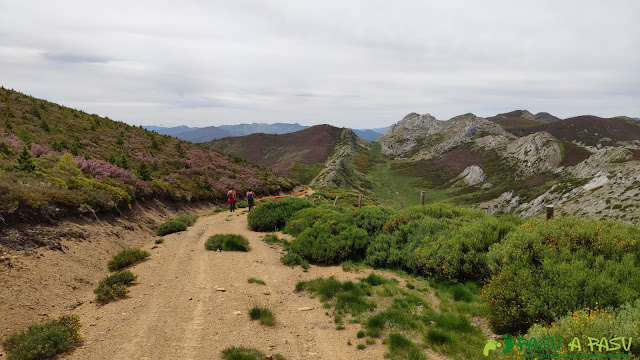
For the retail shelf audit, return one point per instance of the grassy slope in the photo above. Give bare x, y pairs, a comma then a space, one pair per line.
85, 162
392, 188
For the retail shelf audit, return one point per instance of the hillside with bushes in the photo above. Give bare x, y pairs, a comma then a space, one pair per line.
57, 161
563, 276
320, 155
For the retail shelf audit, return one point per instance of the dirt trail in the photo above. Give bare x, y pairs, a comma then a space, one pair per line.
175, 311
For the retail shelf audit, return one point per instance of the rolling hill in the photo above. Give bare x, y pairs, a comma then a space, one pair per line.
314, 155
58, 161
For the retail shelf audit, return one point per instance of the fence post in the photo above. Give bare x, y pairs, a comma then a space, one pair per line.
335, 201
422, 196
549, 212
360, 201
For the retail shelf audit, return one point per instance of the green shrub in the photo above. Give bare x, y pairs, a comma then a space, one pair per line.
595, 323
242, 204
293, 259
460, 253
398, 250
263, 314
545, 269
434, 210
159, 241
400, 347
272, 215
228, 242
44, 341
242, 353
306, 218
361, 346
371, 218
331, 243
126, 258
170, 227
176, 224
113, 286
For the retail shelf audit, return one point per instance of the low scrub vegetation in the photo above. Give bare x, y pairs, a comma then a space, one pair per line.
293, 259
127, 257
228, 242
56, 158
44, 341
114, 286
271, 215
264, 315
567, 264
175, 225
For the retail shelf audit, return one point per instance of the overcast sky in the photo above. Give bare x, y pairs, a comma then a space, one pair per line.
359, 64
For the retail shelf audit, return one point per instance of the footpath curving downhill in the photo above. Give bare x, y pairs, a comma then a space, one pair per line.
190, 303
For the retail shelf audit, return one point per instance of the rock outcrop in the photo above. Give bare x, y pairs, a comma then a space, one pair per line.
472, 175
535, 153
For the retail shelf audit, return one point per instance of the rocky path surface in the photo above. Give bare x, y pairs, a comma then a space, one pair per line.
190, 303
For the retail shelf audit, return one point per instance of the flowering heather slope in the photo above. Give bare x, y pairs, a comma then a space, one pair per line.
308, 146
85, 163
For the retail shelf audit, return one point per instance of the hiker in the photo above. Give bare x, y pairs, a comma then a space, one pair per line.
231, 199
250, 197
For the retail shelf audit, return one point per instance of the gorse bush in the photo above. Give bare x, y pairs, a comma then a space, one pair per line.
114, 286
331, 243
126, 258
595, 323
227, 242
272, 215
44, 341
175, 225
545, 269
306, 218
460, 253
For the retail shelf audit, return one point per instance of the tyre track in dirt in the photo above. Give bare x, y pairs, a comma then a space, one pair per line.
175, 312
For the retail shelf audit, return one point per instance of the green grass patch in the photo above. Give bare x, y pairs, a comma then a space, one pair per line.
256, 281
159, 241
114, 286
127, 257
228, 242
264, 315
401, 347
242, 353
44, 341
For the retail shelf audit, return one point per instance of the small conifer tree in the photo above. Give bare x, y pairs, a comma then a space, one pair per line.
25, 161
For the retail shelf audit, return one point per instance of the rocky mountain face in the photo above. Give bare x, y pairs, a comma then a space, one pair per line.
591, 167
423, 136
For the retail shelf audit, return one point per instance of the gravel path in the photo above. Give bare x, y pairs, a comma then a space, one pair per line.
190, 303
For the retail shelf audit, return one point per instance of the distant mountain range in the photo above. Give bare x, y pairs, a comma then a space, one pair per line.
208, 133
516, 162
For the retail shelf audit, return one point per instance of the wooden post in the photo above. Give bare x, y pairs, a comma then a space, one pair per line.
335, 201
549, 212
422, 196
360, 201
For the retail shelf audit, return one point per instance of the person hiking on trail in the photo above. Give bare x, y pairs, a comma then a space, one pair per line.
250, 197
231, 200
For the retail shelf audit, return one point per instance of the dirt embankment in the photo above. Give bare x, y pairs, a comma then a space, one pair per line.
46, 271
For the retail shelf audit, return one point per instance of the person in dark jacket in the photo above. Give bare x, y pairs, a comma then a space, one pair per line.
250, 198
